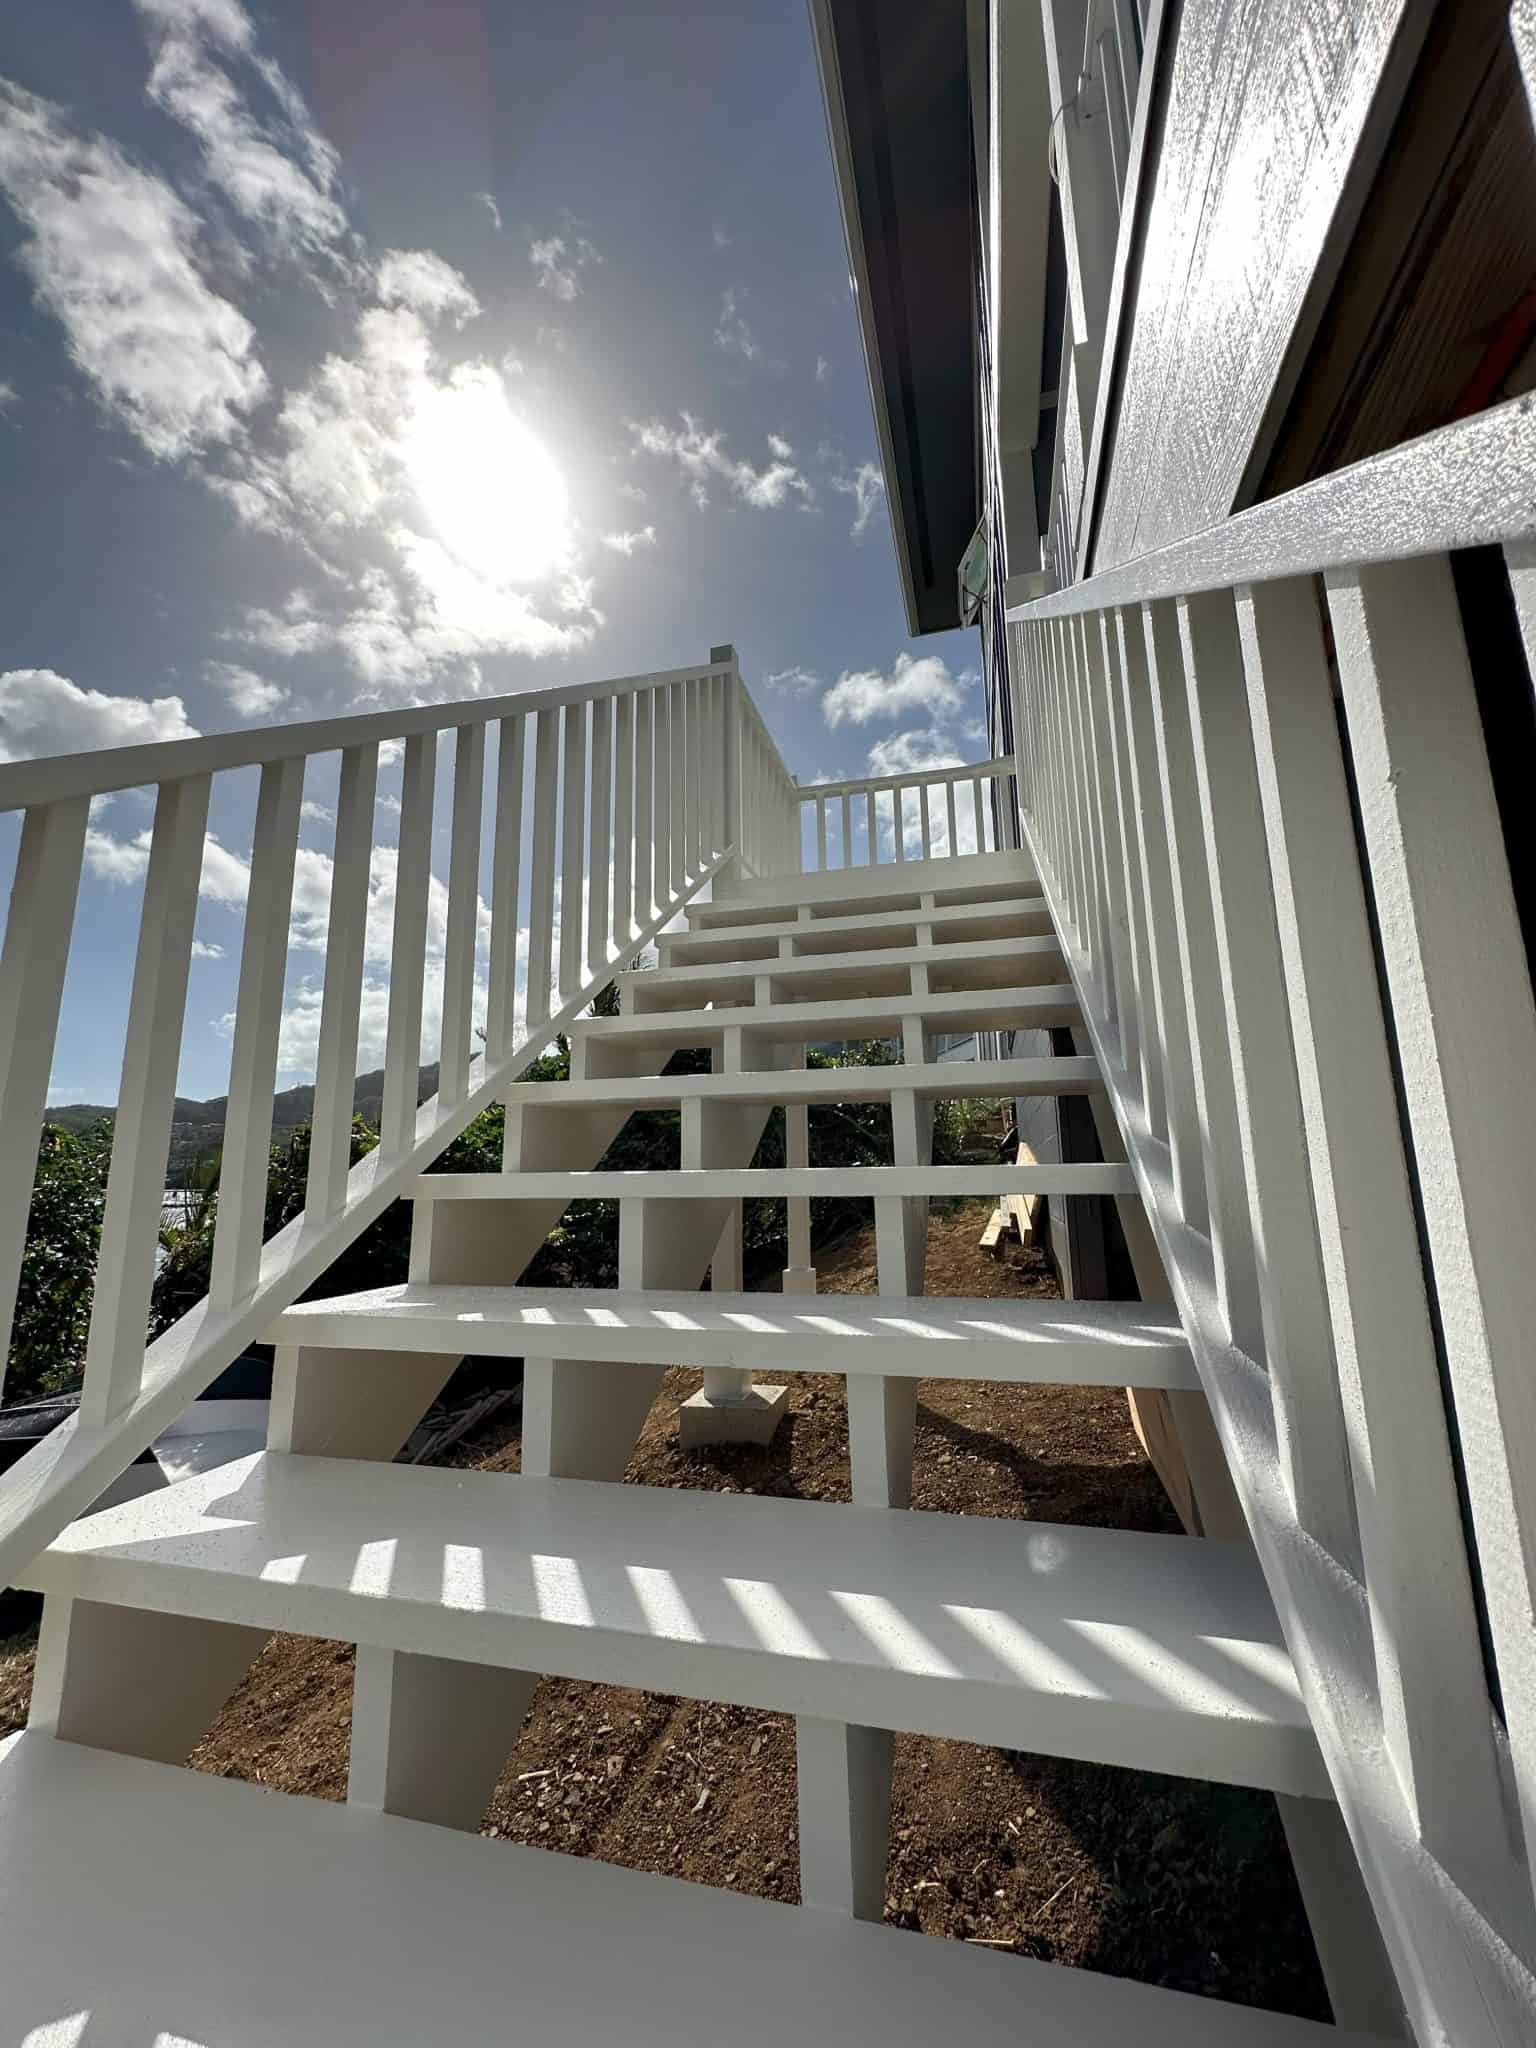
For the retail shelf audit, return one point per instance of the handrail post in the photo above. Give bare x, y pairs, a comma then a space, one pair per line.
730, 737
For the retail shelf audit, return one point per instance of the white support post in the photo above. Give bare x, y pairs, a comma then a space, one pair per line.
600, 838
800, 1273
32, 966
1297, 1338
241, 1221
541, 878
1200, 967
408, 948
573, 834
882, 1412
330, 1142
506, 863
1460, 987
141, 1135
843, 1785
463, 914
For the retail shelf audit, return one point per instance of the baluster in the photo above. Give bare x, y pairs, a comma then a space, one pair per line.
624, 824
675, 865
241, 1221
32, 966
926, 821
976, 815
696, 693
1200, 969
1137, 1011
408, 946
661, 851
600, 841
1298, 1346
573, 825
899, 813
1113, 969
871, 829
645, 794
821, 835
541, 881
506, 863
463, 914
847, 827
949, 815
146, 1103
1465, 1034
346, 934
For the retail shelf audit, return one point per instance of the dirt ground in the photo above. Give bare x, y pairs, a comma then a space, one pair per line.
1167, 1880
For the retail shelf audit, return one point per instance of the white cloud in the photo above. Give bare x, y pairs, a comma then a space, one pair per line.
429, 286
732, 332
866, 486
276, 171
627, 543
489, 203
559, 263
42, 712
701, 456
7, 395
317, 814
795, 681
251, 695
113, 253
910, 752
915, 683
226, 878
823, 370
202, 950
720, 238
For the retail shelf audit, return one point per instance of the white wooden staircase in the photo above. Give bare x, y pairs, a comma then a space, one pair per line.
143, 1903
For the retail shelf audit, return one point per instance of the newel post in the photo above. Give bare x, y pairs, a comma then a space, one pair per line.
731, 764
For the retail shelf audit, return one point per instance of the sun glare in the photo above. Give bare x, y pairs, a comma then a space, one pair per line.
494, 497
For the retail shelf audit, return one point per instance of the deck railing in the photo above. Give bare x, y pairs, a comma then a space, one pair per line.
929, 814
609, 806
1256, 785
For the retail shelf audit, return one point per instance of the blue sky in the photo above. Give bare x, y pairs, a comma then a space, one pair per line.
366, 352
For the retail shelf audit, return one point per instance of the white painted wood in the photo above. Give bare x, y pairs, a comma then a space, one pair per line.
1297, 1335
882, 1409
541, 877
506, 877
992, 1009
645, 793
952, 1079
681, 824
1007, 962
72, 1467
1361, 1987
661, 797
408, 946
573, 840
1160, 1653
1139, 1005
821, 834
1200, 969
146, 1102
430, 1735
849, 1183
141, 1684
331, 1401
1447, 925
433, 1926
600, 841
843, 1796
1167, 1018
32, 966
258, 1022
1020, 917
624, 824
463, 913
330, 1143
1087, 1343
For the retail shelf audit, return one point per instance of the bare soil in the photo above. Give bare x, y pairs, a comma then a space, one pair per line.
1167, 1880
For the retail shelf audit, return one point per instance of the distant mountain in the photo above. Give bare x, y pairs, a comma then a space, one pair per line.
197, 1128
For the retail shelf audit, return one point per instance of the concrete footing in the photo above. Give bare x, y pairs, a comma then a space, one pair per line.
751, 1420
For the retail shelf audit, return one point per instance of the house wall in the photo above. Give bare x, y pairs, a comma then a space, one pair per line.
1274, 116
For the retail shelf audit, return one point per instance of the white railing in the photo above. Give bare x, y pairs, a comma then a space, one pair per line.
610, 806
769, 801
1339, 1163
930, 814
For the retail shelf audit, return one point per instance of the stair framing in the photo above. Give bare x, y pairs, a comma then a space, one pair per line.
461, 1590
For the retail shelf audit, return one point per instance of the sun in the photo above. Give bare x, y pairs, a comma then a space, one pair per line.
494, 497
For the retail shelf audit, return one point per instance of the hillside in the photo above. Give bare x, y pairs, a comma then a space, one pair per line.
197, 1130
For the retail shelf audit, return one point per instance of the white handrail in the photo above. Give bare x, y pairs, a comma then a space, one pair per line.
667, 799
871, 832
1239, 788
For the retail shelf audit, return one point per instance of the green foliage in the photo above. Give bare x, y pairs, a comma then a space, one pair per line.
53, 1302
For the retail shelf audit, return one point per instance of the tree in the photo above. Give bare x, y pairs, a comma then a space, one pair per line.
53, 1299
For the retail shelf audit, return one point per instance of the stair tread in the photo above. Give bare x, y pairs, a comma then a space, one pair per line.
1157, 1652
1070, 1074
1090, 1342
1029, 1006
808, 966
173, 1905
850, 1183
